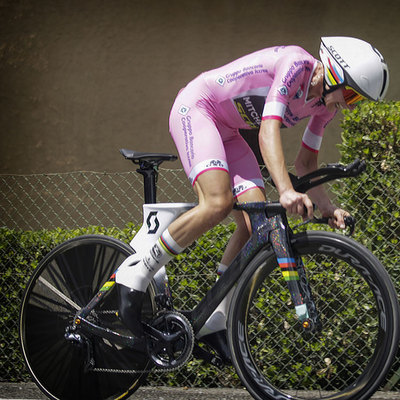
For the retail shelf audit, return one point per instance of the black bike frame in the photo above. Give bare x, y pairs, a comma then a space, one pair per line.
269, 228
267, 219
262, 226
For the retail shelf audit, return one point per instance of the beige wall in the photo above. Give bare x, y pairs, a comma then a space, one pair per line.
81, 79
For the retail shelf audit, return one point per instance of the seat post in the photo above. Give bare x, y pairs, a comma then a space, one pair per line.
149, 171
148, 168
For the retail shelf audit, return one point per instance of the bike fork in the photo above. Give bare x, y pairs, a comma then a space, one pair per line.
294, 273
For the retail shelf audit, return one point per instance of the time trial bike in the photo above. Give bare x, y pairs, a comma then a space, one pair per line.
314, 314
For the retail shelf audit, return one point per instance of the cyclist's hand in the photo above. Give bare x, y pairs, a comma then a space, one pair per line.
336, 218
296, 203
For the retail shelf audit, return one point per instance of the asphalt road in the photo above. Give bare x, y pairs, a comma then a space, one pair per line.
28, 391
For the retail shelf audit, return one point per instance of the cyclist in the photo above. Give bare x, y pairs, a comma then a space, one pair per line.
270, 89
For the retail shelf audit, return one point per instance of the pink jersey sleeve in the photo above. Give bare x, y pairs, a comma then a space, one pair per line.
314, 131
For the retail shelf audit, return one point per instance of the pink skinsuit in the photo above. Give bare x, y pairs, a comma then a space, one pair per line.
208, 113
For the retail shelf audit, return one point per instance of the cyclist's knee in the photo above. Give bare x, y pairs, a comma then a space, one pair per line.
216, 208
215, 195
222, 205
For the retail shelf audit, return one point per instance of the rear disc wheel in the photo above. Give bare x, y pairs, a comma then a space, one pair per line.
64, 282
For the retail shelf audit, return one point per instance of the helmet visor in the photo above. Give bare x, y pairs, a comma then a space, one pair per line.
351, 96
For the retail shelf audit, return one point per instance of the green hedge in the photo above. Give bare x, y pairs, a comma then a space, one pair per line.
20, 253
371, 132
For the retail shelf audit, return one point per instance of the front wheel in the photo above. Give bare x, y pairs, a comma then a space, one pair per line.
64, 282
359, 311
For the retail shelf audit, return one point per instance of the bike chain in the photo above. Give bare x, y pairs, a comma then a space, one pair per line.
146, 371
135, 371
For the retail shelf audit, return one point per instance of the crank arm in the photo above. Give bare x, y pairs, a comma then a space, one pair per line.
201, 354
155, 333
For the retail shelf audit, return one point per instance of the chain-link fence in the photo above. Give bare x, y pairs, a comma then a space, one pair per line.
61, 202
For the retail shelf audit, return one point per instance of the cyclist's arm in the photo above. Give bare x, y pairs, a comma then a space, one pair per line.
272, 153
307, 161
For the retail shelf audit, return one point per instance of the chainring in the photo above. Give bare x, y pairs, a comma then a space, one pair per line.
170, 340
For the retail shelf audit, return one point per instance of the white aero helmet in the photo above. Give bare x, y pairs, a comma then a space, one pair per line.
352, 62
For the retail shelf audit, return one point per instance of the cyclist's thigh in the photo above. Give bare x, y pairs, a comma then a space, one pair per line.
247, 181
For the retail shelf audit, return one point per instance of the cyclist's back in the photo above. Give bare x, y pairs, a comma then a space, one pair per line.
277, 77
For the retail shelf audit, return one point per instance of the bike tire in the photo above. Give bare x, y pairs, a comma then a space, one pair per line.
65, 281
357, 304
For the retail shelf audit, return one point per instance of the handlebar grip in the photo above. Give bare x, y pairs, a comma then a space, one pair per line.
353, 165
356, 168
350, 223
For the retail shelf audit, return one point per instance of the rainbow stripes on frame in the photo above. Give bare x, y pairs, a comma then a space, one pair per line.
288, 268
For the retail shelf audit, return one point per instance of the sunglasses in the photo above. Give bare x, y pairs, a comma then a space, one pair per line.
351, 96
